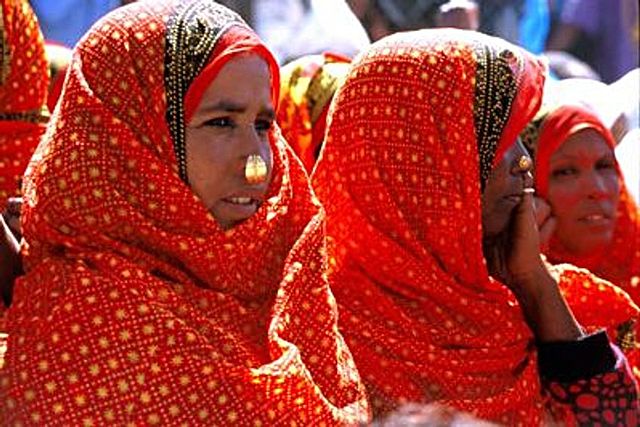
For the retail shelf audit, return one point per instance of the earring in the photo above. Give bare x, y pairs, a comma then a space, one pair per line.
255, 170
525, 164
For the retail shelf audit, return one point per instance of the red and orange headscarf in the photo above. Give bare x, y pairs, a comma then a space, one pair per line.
620, 263
24, 79
136, 306
413, 135
307, 88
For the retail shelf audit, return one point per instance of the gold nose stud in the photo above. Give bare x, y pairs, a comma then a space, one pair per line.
525, 164
255, 170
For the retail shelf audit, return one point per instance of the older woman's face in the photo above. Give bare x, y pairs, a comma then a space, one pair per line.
584, 192
231, 123
504, 190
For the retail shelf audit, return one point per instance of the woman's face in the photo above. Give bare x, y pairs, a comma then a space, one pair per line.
584, 192
232, 122
504, 189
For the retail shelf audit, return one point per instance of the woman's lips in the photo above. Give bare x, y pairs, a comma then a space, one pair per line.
596, 219
237, 208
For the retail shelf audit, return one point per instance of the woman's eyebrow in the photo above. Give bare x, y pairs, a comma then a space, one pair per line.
228, 106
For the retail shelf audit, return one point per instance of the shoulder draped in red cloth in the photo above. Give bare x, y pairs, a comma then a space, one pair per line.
620, 262
412, 137
24, 79
136, 306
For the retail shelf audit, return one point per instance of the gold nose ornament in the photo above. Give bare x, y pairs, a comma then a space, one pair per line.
525, 163
255, 170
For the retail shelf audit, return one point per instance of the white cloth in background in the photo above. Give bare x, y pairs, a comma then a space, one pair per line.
628, 155
294, 28
626, 93
607, 101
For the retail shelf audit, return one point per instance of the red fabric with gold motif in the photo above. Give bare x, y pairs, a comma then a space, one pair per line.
620, 264
24, 79
307, 88
136, 306
399, 177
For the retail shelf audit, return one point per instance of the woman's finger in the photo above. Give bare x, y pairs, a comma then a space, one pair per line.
7, 234
542, 210
12, 216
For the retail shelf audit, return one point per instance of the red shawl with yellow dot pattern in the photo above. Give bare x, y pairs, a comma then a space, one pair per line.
136, 306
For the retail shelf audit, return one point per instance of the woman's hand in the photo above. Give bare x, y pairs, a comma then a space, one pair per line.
10, 260
544, 307
12, 216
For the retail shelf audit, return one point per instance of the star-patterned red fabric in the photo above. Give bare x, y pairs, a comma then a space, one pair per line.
136, 306
24, 79
400, 175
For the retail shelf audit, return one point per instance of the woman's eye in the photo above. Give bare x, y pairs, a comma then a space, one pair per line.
220, 122
263, 125
605, 164
563, 172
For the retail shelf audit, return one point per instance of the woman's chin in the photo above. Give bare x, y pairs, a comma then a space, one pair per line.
590, 246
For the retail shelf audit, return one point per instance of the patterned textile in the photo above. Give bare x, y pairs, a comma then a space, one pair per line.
413, 133
601, 400
136, 306
307, 87
24, 79
620, 263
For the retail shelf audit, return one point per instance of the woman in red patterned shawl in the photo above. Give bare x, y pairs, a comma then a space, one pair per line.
174, 250
24, 80
592, 220
433, 248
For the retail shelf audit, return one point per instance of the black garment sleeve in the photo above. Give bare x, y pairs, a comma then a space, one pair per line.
569, 361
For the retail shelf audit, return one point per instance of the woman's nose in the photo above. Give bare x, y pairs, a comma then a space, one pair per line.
596, 186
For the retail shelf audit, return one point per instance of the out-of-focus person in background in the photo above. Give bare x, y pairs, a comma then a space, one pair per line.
463, 14
307, 86
605, 32
523, 22
564, 65
294, 28
432, 415
592, 221
383, 17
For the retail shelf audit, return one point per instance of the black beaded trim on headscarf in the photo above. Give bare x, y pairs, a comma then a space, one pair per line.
36, 116
531, 132
5, 54
192, 33
496, 88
